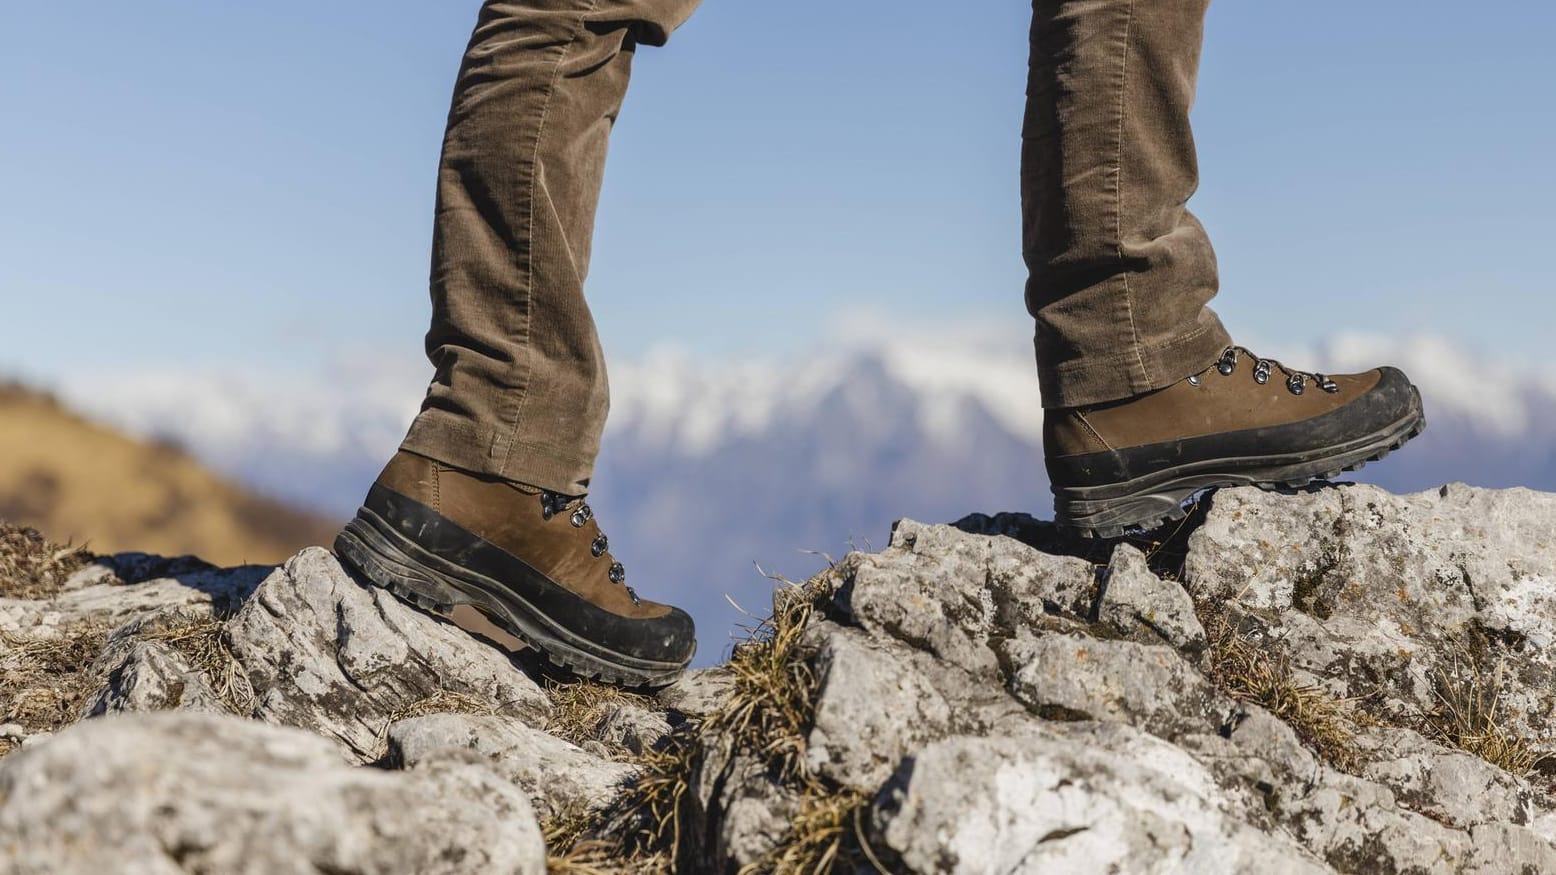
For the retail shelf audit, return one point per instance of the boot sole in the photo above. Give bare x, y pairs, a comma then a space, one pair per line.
426, 581
1156, 499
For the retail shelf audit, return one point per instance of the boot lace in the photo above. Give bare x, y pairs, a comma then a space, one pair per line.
578, 515
1263, 369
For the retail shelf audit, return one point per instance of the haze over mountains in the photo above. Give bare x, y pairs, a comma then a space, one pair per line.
713, 470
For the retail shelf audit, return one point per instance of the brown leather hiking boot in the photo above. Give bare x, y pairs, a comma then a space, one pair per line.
532, 562
1132, 464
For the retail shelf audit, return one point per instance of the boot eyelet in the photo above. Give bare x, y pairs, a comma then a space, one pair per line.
600, 545
1194, 380
1327, 384
1296, 385
1228, 363
617, 574
581, 516
1261, 372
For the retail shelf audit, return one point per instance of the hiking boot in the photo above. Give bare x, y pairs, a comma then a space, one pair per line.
534, 563
1246, 421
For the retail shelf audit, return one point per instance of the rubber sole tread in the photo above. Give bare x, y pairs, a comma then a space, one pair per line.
1181, 511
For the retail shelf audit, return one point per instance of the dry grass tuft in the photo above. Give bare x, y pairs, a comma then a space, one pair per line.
768, 715
827, 831
33, 568
443, 702
1468, 716
642, 834
652, 809
773, 694
1249, 672
45, 681
769, 712
205, 644
579, 709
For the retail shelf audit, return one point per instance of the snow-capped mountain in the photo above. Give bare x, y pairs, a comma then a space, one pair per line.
714, 474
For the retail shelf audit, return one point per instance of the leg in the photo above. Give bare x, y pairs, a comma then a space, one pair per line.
1147, 402
1120, 270
479, 517
520, 389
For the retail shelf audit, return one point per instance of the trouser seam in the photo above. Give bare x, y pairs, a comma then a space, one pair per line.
526, 368
1118, 195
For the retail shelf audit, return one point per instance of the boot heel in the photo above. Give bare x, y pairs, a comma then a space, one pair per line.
1112, 517
375, 557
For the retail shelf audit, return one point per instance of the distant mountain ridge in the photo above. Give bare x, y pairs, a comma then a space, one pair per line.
713, 470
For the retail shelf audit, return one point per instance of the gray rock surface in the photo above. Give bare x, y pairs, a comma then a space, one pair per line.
873, 710
152, 676
1048, 803
204, 793
698, 693
558, 777
948, 592
1396, 597
1074, 677
117, 590
740, 814
1133, 596
326, 654
984, 697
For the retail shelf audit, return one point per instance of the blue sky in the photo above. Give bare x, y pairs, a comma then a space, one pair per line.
195, 184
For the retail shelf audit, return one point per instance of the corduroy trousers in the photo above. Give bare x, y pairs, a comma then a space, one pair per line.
1121, 272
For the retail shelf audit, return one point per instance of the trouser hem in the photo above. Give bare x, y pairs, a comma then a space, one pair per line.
1081, 382
455, 442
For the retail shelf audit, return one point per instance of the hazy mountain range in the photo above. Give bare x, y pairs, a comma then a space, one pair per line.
712, 469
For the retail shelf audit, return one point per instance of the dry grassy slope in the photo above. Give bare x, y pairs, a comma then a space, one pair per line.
81, 482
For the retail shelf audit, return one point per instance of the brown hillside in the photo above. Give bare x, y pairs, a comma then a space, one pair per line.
78, 481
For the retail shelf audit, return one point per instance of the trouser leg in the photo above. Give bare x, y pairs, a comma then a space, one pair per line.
1120, 270
520, 387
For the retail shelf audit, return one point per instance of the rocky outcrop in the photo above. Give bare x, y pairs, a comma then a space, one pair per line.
206, 793
326, 654
1339, 680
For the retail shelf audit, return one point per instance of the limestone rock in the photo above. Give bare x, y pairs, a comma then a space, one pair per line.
738, 812
1070, 677
1452, 786
872, 710
698, 693
118, 590
1046, 803
152, 676
996, 698
204, 793
634, 730
1132, 595
1358, 826
946, 592
325, 653
1497, 848
1407, 599
557, 777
